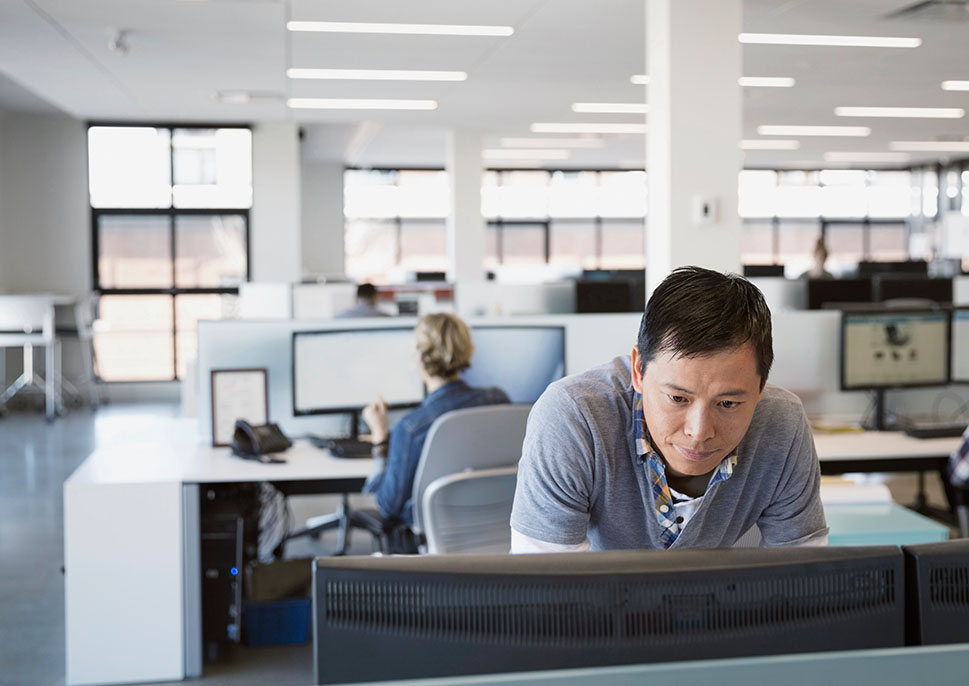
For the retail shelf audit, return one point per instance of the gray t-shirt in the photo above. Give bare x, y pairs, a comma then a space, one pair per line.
580, 474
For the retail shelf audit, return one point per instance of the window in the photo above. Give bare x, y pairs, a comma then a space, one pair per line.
170, 229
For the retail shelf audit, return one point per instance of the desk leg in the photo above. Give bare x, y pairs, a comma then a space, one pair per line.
192, 570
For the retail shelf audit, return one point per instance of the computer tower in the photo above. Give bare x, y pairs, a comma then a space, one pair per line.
937, 592
229, 541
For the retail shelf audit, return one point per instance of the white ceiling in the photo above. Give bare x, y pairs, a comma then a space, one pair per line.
55, 54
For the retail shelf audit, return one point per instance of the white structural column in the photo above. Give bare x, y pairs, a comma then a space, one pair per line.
693, 155
466, 226
322, 218
275, 231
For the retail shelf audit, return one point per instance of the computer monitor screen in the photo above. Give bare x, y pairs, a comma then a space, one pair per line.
893, 349
521, 360
822, 291
893, 288
345, 370
450, 615
960, 345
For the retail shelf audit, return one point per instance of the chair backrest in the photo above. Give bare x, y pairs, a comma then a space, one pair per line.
472, 438
27, 316
470, 512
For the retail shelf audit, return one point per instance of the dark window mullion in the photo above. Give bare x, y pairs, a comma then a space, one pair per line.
173, 247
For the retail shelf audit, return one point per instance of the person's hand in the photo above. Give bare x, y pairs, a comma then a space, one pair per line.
375, 414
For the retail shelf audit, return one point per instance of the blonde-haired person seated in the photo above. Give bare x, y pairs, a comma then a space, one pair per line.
444, 349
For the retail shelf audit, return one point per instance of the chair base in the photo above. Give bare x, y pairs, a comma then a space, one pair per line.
343, 520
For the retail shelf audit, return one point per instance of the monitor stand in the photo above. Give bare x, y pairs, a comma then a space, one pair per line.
878, 420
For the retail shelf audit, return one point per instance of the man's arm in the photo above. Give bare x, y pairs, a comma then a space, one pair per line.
555, 477
520, 543
795, 515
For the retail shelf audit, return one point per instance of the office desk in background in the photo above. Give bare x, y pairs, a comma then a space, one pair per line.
131, 551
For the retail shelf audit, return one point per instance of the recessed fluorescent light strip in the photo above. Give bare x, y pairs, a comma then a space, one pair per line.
611, 107
409, 29
525, 154
866, 157
639, 79
556, 127
902, 112
929, 146
955, 85
766, 81
550, 142
792, 130
775, 144
376, 74
360, 104
836, 41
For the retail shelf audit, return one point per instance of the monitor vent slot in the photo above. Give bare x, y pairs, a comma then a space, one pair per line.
752, 604
557, 615
949, 586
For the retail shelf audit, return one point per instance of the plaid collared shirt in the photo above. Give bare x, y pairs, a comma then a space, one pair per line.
656, 474
959, 464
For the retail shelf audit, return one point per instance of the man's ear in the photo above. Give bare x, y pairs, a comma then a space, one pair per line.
637, 366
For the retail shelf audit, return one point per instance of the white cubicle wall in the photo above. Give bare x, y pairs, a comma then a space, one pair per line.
589, 340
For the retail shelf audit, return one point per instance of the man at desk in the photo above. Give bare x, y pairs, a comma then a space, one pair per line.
366, 304
680, 445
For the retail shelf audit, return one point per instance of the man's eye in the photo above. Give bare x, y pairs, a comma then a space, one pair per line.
677, 399
728, 404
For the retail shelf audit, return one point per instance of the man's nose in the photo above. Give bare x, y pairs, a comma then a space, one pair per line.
699, 424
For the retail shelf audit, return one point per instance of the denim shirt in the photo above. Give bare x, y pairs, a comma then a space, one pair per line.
393, 486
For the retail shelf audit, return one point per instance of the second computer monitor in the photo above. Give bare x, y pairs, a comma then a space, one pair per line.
960, 345
893, 349
822, 292
521, 360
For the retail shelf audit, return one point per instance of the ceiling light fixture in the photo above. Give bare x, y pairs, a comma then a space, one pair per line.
836, 41
955, 85
766, 81
929, 146
639, 79
409, 29
611, 107
500, 154
866, 157
118, 43
360, 104
547, 127
550, 142
798, 130
902, 112
770, 144
376, 74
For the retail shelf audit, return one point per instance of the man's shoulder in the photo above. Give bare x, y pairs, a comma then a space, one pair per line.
611, 378
779, 401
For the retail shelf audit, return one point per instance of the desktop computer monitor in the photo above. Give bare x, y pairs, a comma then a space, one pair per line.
345, 370
594, 296
521, 360
887, 348
832, 291
937, 592
763, 270
891, 287
450, 615
870, 268
960, 345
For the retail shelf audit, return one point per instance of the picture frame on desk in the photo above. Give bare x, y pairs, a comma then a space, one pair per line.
239, 393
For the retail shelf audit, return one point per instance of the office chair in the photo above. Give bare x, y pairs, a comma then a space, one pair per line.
475, 438
469, 512
343, 520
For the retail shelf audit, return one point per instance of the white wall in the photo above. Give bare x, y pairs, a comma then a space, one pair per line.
45, 237
322, 218
274, 240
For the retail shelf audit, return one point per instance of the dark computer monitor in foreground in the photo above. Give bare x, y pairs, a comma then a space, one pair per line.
937, 592
521, 360
343, 371
828, 292
434, 616
960, 345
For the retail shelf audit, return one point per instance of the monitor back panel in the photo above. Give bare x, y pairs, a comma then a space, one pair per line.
937, 592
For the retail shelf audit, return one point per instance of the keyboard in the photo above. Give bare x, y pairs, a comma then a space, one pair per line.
934, 429
342, 447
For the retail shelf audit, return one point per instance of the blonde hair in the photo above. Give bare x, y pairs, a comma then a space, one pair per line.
443, 344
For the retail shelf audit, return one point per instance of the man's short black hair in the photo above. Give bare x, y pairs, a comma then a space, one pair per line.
696, 312
367, 291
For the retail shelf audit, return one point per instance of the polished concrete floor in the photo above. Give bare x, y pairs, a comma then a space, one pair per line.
36, 458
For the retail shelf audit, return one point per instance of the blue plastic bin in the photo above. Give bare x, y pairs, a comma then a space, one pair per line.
278, 622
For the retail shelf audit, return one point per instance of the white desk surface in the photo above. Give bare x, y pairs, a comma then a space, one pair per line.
133, 463
879, 445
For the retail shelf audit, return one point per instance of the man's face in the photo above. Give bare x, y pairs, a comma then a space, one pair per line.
698, 409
